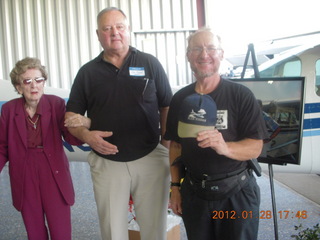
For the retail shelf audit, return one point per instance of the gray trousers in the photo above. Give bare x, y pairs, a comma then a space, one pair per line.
146, 179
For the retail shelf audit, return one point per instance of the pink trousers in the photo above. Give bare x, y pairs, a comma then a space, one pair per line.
43, 205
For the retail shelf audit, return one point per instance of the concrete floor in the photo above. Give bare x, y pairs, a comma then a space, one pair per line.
307, 185
292, 193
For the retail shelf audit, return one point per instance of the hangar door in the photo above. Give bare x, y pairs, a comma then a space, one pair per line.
62, 34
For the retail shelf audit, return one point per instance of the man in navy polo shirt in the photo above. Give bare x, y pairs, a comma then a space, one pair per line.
126, 95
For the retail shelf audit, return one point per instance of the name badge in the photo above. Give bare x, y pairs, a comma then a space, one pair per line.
136, 71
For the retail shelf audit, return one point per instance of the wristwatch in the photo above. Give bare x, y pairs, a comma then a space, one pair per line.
175, 184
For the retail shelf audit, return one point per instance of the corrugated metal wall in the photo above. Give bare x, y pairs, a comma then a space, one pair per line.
62, 34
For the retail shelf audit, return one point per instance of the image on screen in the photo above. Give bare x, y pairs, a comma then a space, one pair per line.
281, 100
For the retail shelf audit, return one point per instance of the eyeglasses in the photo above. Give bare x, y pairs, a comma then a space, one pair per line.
37, 80
209, 50
119, 27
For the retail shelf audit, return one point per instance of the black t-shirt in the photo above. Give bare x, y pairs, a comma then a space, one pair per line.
238, 116
125, 101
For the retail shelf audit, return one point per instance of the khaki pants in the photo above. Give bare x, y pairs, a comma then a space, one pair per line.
146, 179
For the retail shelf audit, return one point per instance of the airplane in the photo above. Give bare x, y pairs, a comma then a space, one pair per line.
305, 57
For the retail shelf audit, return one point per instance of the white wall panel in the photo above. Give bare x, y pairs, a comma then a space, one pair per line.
62, 33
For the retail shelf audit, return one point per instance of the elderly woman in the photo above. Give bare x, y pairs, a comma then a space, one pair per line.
30, 140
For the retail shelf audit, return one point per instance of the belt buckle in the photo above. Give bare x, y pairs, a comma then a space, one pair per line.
203, 182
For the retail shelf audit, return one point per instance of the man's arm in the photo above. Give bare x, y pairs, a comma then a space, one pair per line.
175, 199
163, 121
245, 149
241, 150
79, 132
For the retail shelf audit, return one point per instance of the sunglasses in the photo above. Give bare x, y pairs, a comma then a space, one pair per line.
37, 80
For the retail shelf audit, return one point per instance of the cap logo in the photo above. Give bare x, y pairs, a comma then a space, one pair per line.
197, 116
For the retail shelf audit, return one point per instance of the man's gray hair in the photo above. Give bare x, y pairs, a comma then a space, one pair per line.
109, 9
204, 29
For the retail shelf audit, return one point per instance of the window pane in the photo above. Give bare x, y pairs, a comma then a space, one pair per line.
292, 69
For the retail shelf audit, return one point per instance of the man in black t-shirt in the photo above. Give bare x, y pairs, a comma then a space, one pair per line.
219, 197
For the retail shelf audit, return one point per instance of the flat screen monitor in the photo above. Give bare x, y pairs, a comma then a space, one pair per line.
281, 100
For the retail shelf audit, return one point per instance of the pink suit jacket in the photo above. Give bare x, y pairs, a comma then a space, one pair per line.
13, 144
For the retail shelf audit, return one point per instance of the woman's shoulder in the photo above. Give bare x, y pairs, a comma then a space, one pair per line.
12, 106
12, 102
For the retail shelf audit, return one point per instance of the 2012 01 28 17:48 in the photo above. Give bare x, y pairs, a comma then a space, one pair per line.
263, 214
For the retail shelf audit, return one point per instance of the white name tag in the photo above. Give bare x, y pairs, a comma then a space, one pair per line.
136, 71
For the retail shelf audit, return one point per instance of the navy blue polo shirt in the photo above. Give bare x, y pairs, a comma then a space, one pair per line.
125, 101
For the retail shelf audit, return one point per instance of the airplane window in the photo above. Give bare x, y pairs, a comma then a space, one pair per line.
290, 67
318, 77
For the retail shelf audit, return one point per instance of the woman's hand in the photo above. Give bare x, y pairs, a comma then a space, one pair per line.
77, 120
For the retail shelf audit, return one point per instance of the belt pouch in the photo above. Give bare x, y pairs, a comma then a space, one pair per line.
213, 190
